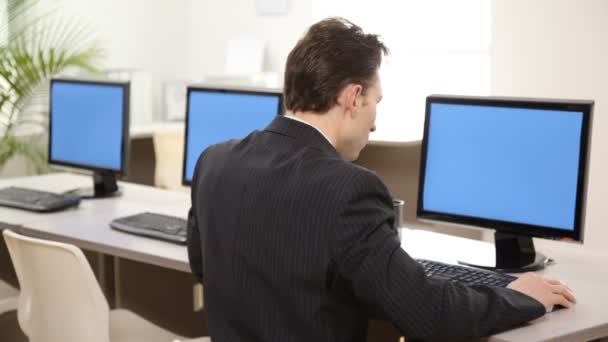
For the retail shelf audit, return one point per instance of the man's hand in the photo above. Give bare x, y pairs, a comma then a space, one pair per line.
547, 291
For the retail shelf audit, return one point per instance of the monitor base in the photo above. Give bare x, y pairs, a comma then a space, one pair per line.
104, 185
514, 254
89, 193
538, 264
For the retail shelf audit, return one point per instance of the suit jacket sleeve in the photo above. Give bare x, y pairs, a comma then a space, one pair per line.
195, 252
386, 279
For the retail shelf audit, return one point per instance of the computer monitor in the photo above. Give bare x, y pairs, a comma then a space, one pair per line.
216, 114
515, 165
89, 127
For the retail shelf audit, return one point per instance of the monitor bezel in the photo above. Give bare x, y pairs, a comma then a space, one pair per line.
584, 106
122, 171
222, 89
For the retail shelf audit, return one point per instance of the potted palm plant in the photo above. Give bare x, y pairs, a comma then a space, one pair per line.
34, 46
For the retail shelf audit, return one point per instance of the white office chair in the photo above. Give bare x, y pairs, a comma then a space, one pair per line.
61, 301
168, 152
8, 297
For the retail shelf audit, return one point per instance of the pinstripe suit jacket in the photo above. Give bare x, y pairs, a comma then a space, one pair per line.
293, 243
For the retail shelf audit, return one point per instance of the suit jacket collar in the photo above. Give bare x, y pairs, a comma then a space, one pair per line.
308, 135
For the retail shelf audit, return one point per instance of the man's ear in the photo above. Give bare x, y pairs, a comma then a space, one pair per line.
349, 97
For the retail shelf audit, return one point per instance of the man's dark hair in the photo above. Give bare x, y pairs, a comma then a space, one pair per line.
333, 53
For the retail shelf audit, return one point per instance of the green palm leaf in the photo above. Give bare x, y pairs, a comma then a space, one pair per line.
37, 46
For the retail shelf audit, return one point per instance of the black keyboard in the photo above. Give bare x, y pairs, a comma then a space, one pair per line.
164, 227
465, 275
35, 200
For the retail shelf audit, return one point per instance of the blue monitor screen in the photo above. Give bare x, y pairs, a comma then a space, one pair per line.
87, 124
509, 164
215, 116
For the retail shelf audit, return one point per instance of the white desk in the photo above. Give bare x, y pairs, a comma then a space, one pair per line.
87, 227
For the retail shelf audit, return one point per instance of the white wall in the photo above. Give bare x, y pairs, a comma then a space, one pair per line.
184, 39
212, 23
558, 48
137, 34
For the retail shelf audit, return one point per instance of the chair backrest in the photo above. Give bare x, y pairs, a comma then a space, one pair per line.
60, 298
168, 152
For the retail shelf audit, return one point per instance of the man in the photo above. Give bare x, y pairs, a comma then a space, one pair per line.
293, 242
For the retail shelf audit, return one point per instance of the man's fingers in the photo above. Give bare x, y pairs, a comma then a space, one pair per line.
561, 300
562, 291
557, 282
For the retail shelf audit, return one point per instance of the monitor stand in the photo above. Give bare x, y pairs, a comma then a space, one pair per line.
104, 185
514, 254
